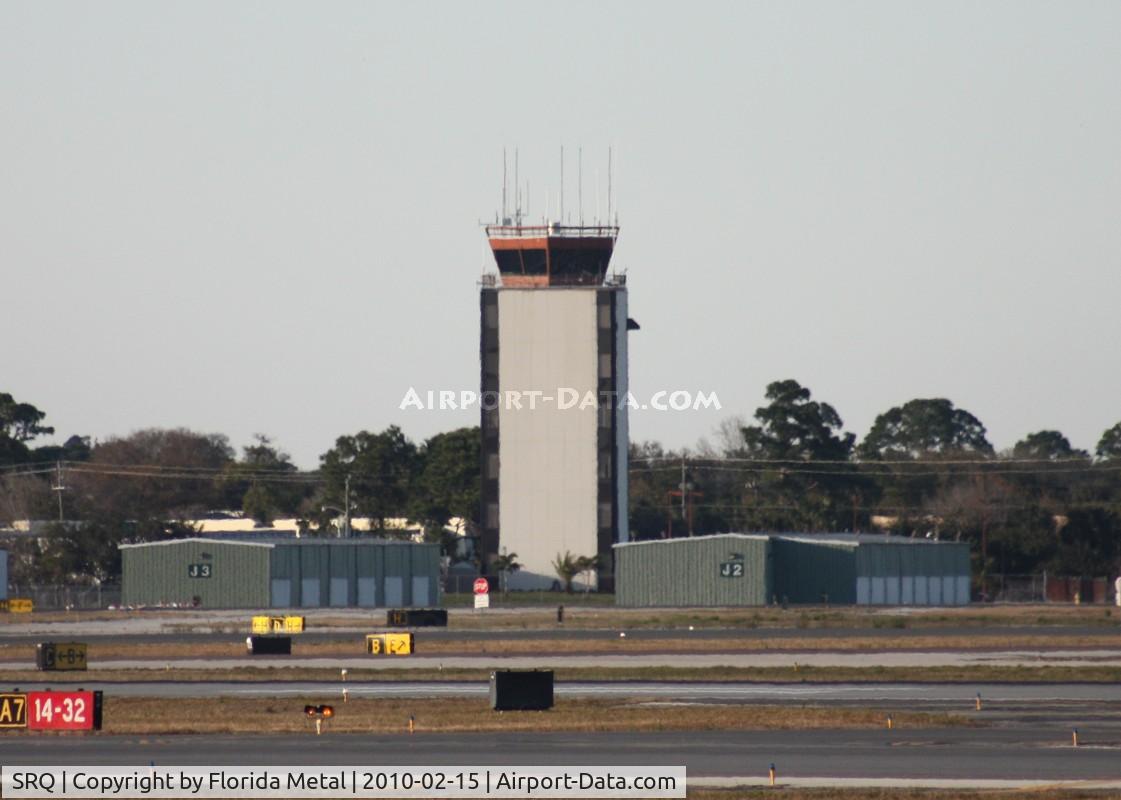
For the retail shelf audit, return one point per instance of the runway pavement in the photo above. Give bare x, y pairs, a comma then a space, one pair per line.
1025, 741
959, 696
918, 659
24, 634
968, 755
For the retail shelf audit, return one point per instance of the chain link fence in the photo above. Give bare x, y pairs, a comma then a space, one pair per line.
465, 584
60, 597
1000, 588
459, 583
1016, 588
1045, 588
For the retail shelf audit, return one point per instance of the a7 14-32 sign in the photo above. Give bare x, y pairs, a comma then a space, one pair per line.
51, 711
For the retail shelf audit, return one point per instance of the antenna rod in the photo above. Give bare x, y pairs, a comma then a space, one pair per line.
503, 185
517, 192
580, 183
609, 185
562, 187
598, 197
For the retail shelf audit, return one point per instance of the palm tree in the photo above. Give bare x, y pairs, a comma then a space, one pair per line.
567, 567
505, 564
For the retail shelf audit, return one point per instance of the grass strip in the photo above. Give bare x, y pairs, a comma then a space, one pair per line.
355, 646
524, 611
238, 715
972, 674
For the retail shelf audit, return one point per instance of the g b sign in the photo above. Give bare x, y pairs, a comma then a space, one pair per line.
52, 656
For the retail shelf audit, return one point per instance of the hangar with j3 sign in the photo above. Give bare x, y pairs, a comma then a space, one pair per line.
281, 573
736, 569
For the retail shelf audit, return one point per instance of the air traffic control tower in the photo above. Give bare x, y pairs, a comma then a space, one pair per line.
554, 417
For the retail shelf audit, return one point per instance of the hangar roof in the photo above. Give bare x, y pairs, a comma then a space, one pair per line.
843, 539
260, 541
682, 539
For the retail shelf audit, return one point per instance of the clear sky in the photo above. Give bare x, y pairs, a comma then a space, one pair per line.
263, 217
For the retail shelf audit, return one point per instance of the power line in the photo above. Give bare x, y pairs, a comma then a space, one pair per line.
233, 470
883, 461
236, 472
48, 471
28, 464
882, 510
225, 469
218, 475
884, 473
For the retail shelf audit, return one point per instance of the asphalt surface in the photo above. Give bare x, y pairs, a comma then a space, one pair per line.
1026, 735
1105, 697
912, 659
970, 754
45, 631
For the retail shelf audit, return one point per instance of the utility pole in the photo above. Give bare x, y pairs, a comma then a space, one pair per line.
59, 488
687, 495
346, 505
684, 489
980, 482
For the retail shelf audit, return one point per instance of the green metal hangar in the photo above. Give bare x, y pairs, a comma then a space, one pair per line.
280, 573
734, 569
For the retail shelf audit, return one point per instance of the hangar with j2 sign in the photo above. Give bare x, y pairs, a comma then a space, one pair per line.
734, 569
282, 573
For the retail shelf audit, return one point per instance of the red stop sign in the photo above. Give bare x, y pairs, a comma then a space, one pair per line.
481, 586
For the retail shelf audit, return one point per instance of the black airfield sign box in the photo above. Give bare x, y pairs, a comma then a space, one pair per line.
521, 690
417, 618
269, 645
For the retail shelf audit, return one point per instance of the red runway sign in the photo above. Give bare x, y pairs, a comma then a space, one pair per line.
63, 711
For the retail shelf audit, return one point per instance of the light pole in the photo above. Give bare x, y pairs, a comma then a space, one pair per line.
345, 533
345, 530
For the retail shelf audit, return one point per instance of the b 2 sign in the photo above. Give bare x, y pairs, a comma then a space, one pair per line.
64, 711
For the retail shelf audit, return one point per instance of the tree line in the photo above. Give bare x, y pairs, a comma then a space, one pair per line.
925, 468
150, 485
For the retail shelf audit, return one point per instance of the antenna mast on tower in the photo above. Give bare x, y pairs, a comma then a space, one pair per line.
562, 187
609, 185
580, 183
